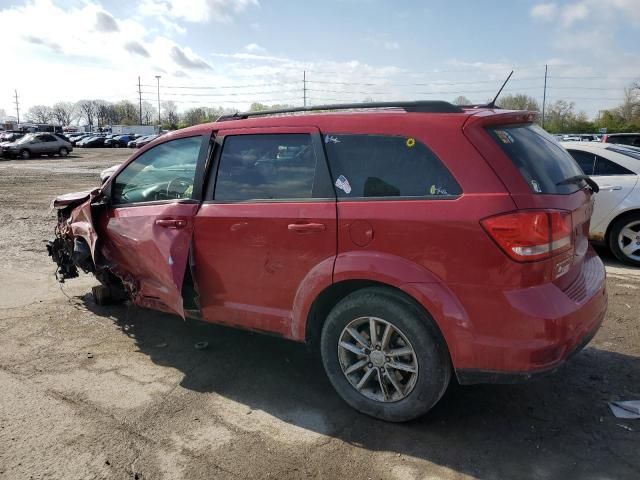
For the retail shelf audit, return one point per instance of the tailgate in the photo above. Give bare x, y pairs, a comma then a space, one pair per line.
538, 173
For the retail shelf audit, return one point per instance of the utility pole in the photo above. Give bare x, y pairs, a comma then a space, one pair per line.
159, 121
17, 107
140, 98
304, 87
544, 94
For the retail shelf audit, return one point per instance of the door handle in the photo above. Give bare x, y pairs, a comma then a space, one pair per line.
171, 223
307, 227
611, 187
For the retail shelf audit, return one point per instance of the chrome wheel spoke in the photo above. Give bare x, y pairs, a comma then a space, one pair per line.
358, 338
356, 366
386, 336
373, 333
352, 348
394, 382
403, 366
383, 387
629, 249
398, 352
364, 378
628, 233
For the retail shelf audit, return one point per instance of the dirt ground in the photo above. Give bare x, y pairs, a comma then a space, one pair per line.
89, 392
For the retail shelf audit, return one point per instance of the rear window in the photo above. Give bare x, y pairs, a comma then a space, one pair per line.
386, 166
543, 163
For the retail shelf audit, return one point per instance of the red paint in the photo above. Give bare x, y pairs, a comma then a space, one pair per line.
261, 265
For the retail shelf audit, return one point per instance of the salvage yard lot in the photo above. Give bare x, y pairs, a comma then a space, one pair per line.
120, 392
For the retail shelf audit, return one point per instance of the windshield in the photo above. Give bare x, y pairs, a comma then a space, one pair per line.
26, 138
541, 160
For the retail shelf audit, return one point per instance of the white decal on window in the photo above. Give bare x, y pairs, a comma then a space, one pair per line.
343, 184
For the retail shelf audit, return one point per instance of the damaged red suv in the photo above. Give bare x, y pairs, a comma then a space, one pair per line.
410, 242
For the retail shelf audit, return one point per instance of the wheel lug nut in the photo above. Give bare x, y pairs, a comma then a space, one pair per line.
387, 359
370, 365
377, 347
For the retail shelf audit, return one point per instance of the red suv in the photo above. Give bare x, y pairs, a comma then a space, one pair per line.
409, 242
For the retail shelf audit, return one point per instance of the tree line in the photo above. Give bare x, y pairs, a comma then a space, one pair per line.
560, 116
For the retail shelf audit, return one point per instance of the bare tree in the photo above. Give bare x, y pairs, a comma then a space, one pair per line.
630, 108
40, 114
170, 111
461, 100
149, 113
103, 112
519, 101
87, 111
64, 113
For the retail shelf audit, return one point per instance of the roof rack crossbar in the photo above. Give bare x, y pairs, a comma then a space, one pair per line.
425, 106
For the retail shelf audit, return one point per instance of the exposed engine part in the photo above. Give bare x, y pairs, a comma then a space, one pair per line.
61, 252
68, 253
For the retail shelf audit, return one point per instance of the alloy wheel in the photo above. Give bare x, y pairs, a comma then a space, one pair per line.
629, 240
377, 359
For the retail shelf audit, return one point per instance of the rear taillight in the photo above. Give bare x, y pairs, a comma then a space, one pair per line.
530, 235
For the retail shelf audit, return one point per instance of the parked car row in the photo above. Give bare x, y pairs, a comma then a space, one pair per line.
100, 140
35, 144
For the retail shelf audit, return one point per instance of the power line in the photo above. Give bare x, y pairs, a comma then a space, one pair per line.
209, 87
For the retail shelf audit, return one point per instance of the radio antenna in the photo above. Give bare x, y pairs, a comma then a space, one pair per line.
492, 103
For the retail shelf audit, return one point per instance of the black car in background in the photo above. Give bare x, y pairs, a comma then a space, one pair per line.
92, 142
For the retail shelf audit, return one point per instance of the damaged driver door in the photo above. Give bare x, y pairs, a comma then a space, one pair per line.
148, 225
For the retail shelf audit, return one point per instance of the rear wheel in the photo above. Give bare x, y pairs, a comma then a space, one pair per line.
25, 154
63, 152
624, 239
384, 355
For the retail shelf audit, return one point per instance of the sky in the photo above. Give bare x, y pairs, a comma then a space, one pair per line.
233, 52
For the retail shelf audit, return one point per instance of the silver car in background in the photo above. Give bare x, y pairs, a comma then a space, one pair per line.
34, 144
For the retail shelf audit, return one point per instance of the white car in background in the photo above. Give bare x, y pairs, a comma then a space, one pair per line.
616, 215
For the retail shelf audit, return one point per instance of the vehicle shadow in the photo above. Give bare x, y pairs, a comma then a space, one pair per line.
558, 426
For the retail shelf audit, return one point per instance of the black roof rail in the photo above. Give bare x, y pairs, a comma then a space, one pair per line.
424, 106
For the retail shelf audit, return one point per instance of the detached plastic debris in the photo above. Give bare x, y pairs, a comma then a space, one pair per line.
629, 409
201, 345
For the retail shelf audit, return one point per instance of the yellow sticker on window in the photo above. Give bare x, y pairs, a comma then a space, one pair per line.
411, 142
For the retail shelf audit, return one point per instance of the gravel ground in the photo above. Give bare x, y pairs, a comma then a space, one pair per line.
120, 392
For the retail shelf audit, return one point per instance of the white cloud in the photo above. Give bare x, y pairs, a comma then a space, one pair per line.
255, 48
197, 11
573, 13
544, 11
391, 45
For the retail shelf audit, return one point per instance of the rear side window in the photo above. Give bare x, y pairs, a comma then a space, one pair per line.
386, 166
265, 167
592, 164
624, 139
543, 163
586, 160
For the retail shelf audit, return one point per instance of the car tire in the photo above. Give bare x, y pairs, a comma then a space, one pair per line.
625, 231
25, 154
63, 152
411, 393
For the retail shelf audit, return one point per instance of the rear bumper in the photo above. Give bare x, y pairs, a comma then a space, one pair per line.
506, 336
471, 376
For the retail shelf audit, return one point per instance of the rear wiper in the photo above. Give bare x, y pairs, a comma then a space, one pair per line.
576, 178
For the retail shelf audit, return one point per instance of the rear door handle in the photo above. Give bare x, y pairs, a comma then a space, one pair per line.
611, 187
307, 227
171, 223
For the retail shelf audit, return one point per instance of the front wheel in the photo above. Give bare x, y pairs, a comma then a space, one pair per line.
25, 154
384, 355
63, 152
624, 239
